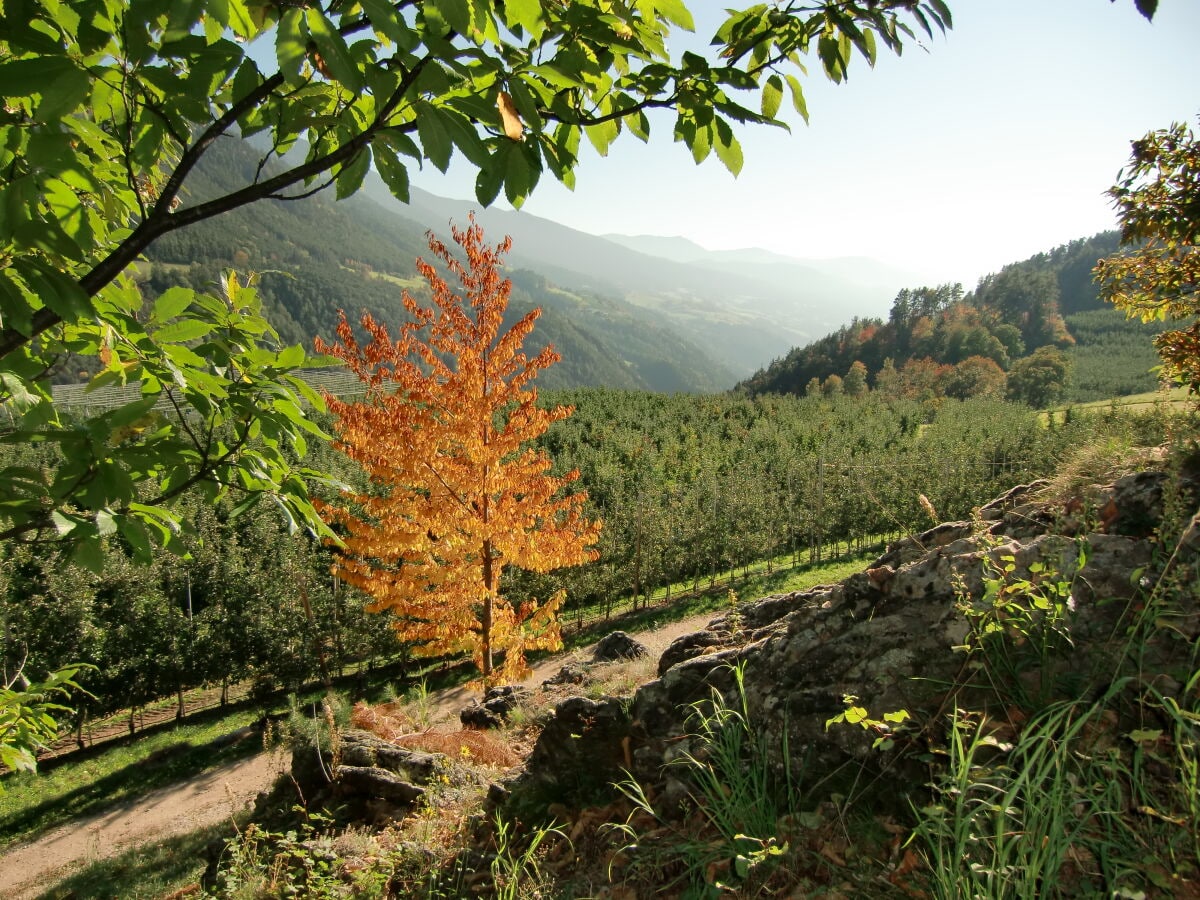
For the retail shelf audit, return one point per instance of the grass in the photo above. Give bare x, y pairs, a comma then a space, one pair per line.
734, 843
32, 803
168, 868
1176, 398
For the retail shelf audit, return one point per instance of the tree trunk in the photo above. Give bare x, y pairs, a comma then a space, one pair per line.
485, 620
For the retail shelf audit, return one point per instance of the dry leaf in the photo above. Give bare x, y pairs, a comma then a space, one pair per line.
509, 116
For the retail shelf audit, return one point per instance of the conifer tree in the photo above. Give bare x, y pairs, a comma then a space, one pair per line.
458, 493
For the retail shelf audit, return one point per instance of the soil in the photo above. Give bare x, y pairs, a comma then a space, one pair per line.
207, 799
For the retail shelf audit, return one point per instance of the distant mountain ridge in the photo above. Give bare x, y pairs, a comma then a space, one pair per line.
638, 312
740, 311
874, 278
317, 256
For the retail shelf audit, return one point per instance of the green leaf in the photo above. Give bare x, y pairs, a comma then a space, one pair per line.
798, 102
386, 19
456, 13
62, 525
291, 44
602, 135
136, 536
675, 12
391, 170
525, 104
701, 144
333, 49
129, 413
526, 14
868, 48
856, 715
89, 554
729, 150
464, 136
183, 330
33, 77
290, 357
435, 141
772, 96
491, 178
946, 19
350, 176
520, 177
171, 303
57, 291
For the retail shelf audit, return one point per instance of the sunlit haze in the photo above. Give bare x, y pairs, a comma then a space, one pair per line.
979, 148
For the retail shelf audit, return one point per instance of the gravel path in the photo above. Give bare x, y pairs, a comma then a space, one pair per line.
32, 868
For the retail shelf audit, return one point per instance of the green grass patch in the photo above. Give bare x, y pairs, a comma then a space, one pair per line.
415, 281
152, 871
32, 803
1176, 398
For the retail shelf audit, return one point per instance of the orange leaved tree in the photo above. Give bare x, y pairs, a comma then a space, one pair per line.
457, 492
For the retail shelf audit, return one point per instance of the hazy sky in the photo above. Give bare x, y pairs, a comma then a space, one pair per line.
986, 146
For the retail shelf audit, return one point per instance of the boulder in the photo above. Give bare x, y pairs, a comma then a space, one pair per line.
618, 646
497, 703
569, 674
376, 782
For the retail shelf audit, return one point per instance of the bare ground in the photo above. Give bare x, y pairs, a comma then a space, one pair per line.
207, 799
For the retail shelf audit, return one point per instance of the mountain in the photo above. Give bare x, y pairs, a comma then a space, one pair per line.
317, 256
739, 310
863, 285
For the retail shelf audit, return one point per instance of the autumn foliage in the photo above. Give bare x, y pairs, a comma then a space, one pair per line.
457, 494
1157, 198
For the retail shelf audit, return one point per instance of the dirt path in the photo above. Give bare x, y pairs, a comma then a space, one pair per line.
214, 796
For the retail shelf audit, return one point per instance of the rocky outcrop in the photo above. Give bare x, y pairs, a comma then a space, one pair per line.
366, 773
497, 703
891, 636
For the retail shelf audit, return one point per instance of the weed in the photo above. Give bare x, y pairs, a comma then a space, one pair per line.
311, 862
1020, 626
1008, 819
420, 705
515, 869
738, 792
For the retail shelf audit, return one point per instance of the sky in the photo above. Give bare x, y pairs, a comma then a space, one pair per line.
972, 150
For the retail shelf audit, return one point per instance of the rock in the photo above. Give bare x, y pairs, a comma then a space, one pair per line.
569, 674
618, 646
373, 781
687, 646
995, 510
583, 747
888, 635
498, 702
361, 748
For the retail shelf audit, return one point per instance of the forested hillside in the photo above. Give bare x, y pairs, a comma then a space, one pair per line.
316, 256
1035, 331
